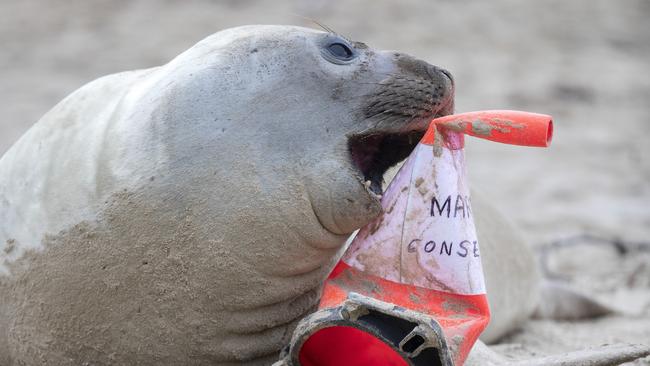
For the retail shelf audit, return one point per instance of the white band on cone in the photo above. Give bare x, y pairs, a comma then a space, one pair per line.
426, 235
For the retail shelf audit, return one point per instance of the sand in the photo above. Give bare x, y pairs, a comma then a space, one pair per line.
585, 62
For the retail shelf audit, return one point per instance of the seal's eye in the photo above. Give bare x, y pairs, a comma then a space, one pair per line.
338, 51
341, 51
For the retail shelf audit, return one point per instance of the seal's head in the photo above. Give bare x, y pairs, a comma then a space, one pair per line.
388, 100
339, 110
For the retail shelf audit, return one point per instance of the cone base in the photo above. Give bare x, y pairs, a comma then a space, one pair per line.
462, 317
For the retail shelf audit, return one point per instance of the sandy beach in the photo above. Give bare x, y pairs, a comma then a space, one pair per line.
585, 62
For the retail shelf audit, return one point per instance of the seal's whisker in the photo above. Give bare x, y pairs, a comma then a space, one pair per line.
397, 76
325, 28
371, 110
390, 117
404, 122
379, 114
369, 131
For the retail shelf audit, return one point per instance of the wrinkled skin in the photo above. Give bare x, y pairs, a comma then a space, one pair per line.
187, 214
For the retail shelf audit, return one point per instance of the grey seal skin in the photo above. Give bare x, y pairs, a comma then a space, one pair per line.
188, 214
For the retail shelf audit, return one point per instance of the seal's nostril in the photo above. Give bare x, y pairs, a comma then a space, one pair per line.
448, 74
437, 72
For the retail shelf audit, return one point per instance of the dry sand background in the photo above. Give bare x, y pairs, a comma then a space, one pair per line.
586, 62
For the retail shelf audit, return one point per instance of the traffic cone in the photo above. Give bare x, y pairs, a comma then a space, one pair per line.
409, 290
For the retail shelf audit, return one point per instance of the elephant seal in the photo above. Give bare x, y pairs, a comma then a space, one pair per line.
188, 213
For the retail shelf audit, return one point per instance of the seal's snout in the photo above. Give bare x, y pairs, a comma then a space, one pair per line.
424, 70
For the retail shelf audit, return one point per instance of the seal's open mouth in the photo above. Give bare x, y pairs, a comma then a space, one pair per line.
374, 152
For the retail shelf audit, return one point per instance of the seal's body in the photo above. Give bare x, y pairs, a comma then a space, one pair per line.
512, 279
188, 214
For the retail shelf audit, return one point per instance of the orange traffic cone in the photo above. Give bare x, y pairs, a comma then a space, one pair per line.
409, 290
